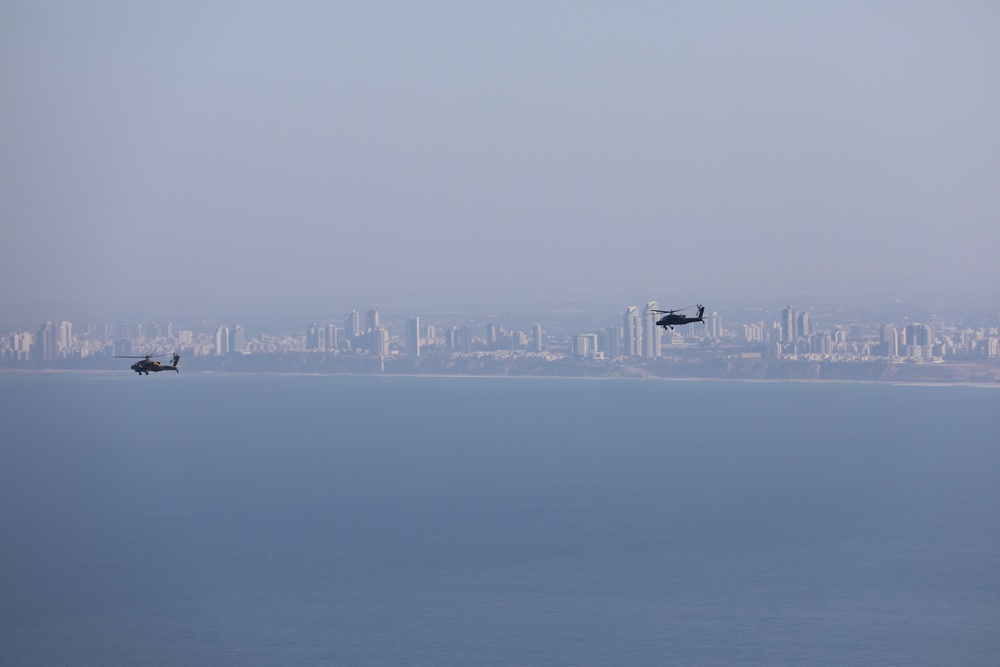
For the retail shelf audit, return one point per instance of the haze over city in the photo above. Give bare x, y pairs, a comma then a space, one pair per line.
371, 332
344, 153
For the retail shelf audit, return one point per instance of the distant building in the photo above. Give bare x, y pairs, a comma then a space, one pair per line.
919, 334
632, 326
613, 341
789, 325
652, 342
713, 326
371, 319
352, 324
413, 337
237, 339
804, 325
494, 336
378, 341
585, 346
536, 338
332, 337
47, 342
222, 340
459, 339
64, 344
889, 339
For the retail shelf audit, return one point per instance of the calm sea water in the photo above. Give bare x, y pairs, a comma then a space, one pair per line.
236, 520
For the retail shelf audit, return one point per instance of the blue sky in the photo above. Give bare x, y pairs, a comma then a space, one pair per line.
377, 150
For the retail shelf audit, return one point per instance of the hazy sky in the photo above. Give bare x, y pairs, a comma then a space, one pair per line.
376, 150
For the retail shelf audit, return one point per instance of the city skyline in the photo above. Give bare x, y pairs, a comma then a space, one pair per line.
791, 334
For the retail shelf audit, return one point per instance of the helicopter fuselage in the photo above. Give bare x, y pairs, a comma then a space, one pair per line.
671, 318
147, 365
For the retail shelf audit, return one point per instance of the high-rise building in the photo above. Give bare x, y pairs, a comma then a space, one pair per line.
494, 334
889, 338
332, 337
536, 338
47, 341
754, 333
20, 343
413, 337
713, 326
222, 340
65, 342
352, 324
919, 334
805, 328
585, 346
652, 335
459, 339
824, 343
613, 341
632, 325
371, 319
237, 339
378, 341
789, 325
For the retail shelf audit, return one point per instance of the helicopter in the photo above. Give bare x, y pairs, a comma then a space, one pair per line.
147, 364
670, 317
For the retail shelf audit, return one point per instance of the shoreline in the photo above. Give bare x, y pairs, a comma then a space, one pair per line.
461, 376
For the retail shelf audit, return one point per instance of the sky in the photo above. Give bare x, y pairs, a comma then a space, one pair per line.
374, 151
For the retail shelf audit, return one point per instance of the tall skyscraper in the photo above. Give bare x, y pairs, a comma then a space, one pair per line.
237, 339
459, 339
805, 325
413, 337
713, 325
652, 335
789, 325
332, 337
352, 324
222, 340
919, 334
494, 333
65, 342
47, 341
378, 341
536, 338
889, 338
371, 319
632, 325
613, 341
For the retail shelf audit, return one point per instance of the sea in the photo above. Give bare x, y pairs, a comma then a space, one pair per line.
237, 519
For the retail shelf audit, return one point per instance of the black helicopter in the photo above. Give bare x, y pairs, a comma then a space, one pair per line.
147, 364
670, 317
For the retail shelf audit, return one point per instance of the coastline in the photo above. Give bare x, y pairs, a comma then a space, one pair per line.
967, 374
